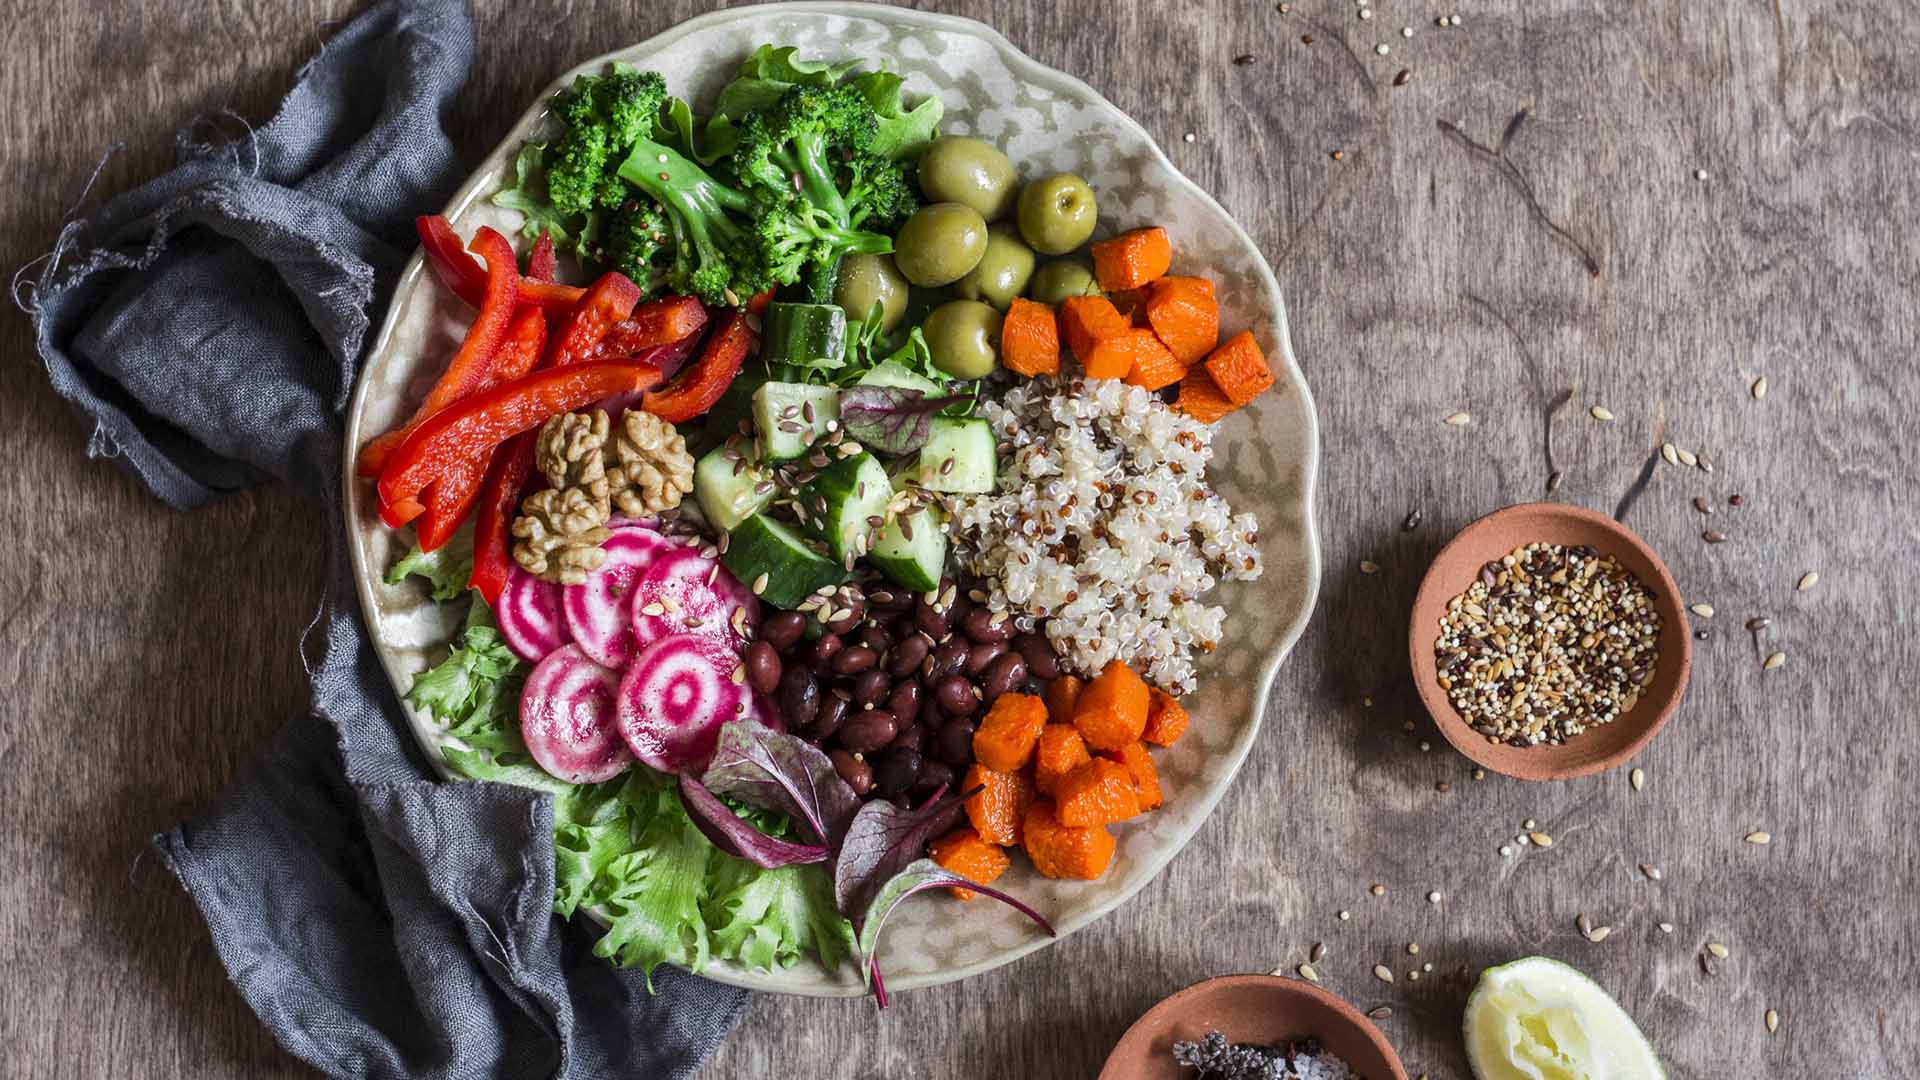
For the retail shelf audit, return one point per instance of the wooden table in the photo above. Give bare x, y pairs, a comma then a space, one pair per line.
1655, 203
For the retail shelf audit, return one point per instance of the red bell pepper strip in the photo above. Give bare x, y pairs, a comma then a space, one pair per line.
507, 477
400, 512
757, 304
607, 302
451, 497
654, 323
542, 264
696, 389
473, 426
468, 370
468, 281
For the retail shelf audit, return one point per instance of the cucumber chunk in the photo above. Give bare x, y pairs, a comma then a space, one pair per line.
912, 549
778, 564
728, 497
804, 335
842, 501
968, 445
785, 435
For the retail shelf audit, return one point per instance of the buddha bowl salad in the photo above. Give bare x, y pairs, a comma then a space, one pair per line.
841, 533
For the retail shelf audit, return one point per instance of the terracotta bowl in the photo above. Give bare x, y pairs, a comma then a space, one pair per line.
1258, 1009
1486, 540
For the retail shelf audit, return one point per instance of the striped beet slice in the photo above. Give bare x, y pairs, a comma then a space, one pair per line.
529, 616
569, 718
596, 609
685, 592
675, 696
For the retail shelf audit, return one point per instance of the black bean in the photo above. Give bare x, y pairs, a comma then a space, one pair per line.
1004, 676
846, 618
907, 655
982, 656
954, 744
910, 735
834, 710
821, 653
895, 771
857, 773
956, 696
901, 626
984, 624
875, 637
933, 774
871, 688
781, 630
763, 667
854, 660
865, 732
930, 619
1039, 655
890, 600
799, 696
948, 658
904, 701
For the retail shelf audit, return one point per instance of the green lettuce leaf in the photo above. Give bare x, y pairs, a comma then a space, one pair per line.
653, 892
903, 132
768, 918
528, 195
678, 128
445, 569
767, 74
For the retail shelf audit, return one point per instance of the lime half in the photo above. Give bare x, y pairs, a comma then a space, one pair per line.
1538, 1019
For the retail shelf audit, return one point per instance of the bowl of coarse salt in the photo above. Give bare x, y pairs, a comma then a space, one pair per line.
1548, 642
1323, 1035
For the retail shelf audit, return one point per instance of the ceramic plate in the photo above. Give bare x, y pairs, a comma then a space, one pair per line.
1046, 122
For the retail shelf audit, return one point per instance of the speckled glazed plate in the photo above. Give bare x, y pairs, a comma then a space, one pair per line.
1046, 122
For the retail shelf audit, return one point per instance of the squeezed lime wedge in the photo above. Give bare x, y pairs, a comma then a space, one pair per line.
1538, 1019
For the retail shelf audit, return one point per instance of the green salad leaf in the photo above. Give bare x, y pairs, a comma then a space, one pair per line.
903, 132
765, 918
771, 71
446, 568
654, 891
528, 195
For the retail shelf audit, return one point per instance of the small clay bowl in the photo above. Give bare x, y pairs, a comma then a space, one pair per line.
1598, 748
1259, 1009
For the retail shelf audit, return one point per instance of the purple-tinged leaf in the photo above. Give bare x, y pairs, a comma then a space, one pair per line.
784, 773
736, 836
916, 877
883, 840
892, 420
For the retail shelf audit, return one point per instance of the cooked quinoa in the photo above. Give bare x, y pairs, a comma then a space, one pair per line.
1104, 527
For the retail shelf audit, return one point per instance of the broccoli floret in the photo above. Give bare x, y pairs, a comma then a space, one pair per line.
712, 253
637, 240
605, 115
807, 161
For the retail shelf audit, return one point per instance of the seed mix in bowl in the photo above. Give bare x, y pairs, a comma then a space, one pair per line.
1548, 642
1103, 525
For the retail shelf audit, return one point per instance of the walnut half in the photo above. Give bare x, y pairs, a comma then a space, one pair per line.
652, 470
560, 533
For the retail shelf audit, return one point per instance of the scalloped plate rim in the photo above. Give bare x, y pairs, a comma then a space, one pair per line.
1033, 70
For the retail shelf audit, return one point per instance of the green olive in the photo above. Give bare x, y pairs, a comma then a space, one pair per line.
1058, 279
1057, 213
970, 172
939, 244
866, 280
1002, 272
964, 337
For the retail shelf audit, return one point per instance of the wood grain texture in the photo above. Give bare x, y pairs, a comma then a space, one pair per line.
1442, 265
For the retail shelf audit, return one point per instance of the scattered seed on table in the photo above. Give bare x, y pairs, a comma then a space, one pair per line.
1459, 419
1759, 836
1705, 611
1701, 504
1307, 973
1453, 20
1406, 31
1699, 174
1244, 59
1366, 13
1188, 137
1506, 849
1719, 951
1412, 522
1403, 77
1413, 976
1338, 155
1413, 948
1381, 1012
1306, 39
1699, 635
1583, 924
1479, 774
1736, 500
1383, 973
1318, 951
1666, 928
1638, 778
1540, 839
1714, 536
1378, 889
1687, 458
1671, 454
1773, 1021
1433, 897
1286, 9
1759, 623
1652, 872
1427, 966
1599, 934
1759, 388
1601, 413
1442, 787
1425, 746
1529, 824
1773, 661
1368, 566
1807, 581
1345, 915
1706, 965
1383, 48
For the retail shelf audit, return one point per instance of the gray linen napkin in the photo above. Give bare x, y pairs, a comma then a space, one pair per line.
210, 323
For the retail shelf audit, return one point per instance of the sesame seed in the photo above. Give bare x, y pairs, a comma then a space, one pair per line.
1459, 419
1601, 413
1433, 897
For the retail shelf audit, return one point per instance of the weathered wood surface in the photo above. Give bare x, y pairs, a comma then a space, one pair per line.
1433, 269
